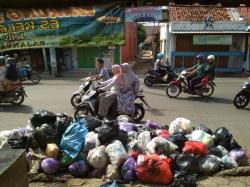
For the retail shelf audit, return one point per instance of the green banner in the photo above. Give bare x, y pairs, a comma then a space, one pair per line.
61, 27
212, 39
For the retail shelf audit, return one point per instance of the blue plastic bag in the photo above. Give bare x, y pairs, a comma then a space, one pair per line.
23, 72
128, 170
74, 138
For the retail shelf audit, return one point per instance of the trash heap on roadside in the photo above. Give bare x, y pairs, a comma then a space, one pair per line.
123, 151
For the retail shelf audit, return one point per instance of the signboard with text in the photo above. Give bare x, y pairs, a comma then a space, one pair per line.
143, 14
61, 27
212, 39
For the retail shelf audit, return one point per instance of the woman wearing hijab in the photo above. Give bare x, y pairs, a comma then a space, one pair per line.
111, 88
128, 91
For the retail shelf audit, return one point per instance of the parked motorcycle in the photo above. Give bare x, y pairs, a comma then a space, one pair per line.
205, 88
242, 97
77, 95
89, 106
153, 77
15, 96
31, 75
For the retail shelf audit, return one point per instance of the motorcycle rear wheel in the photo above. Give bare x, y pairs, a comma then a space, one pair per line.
19, 99
75, 99
35, 77
147, 81
207, 91
83, 111
173, 90
139, 112
241, 101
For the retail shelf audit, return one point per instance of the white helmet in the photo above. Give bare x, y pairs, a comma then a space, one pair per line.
211, 57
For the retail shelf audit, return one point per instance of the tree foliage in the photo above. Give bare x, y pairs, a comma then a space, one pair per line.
141, 33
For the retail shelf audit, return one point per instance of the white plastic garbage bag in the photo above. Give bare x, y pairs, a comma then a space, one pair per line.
4, 143
112, 173
143, 139
91, 141
199, 135
180, 125
98, 158
117, 153
159, 145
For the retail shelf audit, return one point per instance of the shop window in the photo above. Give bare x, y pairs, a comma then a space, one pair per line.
178, 61
222, 62
188, 61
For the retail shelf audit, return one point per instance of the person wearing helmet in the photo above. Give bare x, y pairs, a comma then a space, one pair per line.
159, 63
210, 70
197, 72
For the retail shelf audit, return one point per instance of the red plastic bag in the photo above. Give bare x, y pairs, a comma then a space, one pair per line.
162, 133
195, 147
155, 170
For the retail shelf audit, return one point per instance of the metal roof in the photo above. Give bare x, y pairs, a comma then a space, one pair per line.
209, 32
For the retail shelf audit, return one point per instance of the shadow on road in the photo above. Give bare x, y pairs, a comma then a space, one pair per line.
25, 109
156, 112
207, 100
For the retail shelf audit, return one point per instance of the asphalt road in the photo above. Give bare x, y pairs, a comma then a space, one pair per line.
214, 112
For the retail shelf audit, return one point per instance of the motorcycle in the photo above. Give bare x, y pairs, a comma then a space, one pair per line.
242, 97
205, 88
31, 75
89, 106
77, 95
15, 96
153, 77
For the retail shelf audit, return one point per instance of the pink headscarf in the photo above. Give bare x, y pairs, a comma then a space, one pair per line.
118, 76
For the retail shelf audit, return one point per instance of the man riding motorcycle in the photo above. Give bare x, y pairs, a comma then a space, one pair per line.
197, 72
159, 63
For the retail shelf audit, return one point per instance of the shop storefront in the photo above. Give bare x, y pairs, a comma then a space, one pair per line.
62, 36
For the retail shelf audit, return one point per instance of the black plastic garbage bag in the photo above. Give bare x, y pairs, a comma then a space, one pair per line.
92, 123
218, 151
17, 143
223, 137
42, 117
178, 139
204, 129
234, 145
186, 162
62, 122
46, 134
123, 137
108, 131
182, 179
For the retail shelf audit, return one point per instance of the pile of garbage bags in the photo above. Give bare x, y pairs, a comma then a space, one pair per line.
120, 150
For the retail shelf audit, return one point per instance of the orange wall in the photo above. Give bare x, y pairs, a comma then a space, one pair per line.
130, 48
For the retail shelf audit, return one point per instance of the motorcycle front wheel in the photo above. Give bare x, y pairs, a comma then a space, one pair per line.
75, 99
18, 100
139, 112
35, 77
83, 111
241, 101
173, 90
147, 81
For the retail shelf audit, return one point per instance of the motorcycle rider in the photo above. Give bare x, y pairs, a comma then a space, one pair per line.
210, 67
159, 63
103, 71
111, 90
197, 72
